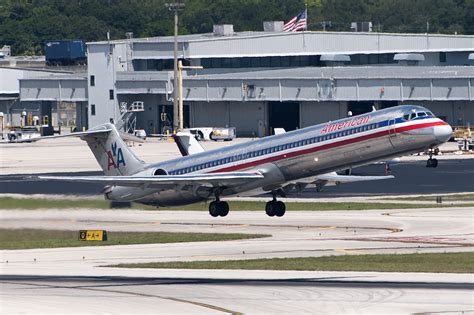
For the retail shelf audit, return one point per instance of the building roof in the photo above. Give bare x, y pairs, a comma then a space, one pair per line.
257, 44
346, 72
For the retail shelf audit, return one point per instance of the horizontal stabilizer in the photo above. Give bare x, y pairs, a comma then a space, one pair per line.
123, 135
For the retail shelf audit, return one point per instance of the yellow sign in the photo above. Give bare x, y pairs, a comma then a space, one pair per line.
93, 235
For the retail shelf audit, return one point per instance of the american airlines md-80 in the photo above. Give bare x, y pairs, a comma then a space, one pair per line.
266, 165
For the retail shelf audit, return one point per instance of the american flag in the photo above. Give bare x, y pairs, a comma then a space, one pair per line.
297, 23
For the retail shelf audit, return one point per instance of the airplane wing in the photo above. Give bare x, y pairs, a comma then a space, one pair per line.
225, 179
328, 179
334, 177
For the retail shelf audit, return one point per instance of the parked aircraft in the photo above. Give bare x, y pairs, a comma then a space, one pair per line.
261, 166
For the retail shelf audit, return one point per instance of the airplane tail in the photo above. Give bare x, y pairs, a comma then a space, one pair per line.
111, 152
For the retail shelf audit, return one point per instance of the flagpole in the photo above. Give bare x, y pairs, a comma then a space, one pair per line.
306, 25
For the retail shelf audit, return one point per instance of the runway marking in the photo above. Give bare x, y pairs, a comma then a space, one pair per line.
169, 298
419, 240
391, 229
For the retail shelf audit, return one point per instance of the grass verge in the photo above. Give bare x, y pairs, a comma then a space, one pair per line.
432, 262
35, 238
40, 203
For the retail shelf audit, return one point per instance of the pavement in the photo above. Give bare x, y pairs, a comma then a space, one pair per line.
74, 280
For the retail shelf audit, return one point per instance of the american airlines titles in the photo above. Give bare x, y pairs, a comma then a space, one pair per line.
345, 124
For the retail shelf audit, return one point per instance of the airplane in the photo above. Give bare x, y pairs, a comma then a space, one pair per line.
260, 166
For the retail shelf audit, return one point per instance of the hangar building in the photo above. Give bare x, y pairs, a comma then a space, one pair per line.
256, 81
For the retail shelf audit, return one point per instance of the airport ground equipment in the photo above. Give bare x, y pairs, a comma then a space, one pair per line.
211, 133
65, 52
463, 136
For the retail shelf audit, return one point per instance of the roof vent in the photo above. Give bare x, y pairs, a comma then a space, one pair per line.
273, 26
223, 30
361, 27
409, 59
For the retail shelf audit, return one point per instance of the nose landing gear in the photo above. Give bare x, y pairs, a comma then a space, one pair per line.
432, 162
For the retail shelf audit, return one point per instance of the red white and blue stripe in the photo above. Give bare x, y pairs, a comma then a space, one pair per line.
297, 23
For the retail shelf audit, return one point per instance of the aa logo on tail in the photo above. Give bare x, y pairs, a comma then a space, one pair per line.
115, 157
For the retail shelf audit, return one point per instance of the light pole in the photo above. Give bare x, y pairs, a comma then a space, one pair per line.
175, 6
180, 76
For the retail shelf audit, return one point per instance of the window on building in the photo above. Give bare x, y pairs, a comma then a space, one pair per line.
92, 109
442, 56
92, 80
111, 94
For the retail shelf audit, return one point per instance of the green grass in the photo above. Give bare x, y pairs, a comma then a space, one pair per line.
35, 238
442, 262
42, 203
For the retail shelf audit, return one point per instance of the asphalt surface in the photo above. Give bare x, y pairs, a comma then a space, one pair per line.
77, 280
134, 295
452, 175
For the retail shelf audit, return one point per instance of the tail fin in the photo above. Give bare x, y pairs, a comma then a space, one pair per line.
111, 152
187, 143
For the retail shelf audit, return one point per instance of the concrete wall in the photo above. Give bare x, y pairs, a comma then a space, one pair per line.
250, 119
313, 113
456, 113
103, 63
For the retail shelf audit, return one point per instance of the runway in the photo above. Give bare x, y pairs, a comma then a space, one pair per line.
320, 295
73, 279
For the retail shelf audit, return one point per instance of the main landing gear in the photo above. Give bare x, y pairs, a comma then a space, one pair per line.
272, 208
218, 208
432, 162
275, 208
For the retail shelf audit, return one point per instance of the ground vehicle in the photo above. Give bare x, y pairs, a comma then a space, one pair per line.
23, 134
212, 133
65, 52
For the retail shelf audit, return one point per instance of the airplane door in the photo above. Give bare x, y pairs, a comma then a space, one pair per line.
392, 132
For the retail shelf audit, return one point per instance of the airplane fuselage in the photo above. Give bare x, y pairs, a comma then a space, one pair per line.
302, 153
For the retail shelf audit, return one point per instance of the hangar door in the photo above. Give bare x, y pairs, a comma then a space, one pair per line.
358, 108
283, 115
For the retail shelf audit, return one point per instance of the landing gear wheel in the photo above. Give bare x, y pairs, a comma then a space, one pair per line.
280, 208
275, 208
214, 209
432, 163
223, 208
218, 208
270, 208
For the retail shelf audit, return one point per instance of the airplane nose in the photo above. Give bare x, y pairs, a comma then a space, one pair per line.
443, 133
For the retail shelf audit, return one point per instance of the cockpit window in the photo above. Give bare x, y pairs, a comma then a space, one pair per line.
429, 114
413, 115
406, 117
421, 114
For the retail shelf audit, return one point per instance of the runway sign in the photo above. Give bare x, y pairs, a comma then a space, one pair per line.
92, 235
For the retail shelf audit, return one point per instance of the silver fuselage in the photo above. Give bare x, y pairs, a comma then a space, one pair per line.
303, 153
